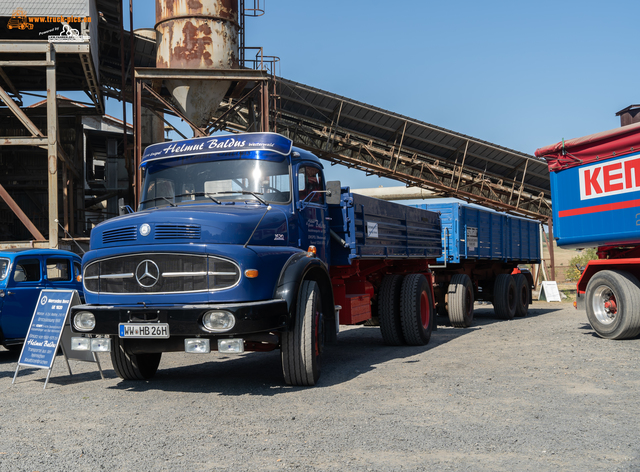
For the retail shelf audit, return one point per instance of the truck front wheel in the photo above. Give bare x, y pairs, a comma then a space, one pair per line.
133, 366
416, 310
613, 304
301, 347
460, 296
504, 296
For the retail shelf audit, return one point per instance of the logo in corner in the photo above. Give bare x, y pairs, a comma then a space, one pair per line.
19, 20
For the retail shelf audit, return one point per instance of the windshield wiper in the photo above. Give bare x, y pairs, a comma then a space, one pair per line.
158, 198
200, 194
246, 192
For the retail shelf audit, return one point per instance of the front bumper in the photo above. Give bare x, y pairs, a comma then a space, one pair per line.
185, 321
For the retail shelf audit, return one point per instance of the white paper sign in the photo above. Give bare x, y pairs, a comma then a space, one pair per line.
372, 230
549, 292
472, 238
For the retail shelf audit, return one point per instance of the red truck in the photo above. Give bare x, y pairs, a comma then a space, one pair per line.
595, 190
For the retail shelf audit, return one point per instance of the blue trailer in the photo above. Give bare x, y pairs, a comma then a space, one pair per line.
482, 252
240, 245
595, 189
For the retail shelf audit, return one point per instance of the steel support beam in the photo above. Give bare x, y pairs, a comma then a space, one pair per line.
21, 215
52, 134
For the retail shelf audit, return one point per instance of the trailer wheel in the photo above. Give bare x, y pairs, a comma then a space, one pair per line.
302, 347
133, 366
416, 310
389, 310
460, 296
613, 304
522, 295
504, 296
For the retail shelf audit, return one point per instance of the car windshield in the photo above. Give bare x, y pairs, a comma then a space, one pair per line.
4, 268
178, 183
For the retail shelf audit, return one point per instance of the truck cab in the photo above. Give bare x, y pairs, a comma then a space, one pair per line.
228, 231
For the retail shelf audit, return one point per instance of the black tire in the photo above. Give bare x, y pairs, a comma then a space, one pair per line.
523, 293
416, 310
620, 320
302, 347
504, 296
460, 297
389, 310
133, 366
13, 347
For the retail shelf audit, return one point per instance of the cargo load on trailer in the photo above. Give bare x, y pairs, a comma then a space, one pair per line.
240, 245
595, 191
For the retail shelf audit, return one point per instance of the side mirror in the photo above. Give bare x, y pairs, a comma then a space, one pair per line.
333, 192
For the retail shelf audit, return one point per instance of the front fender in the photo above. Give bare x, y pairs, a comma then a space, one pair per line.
298, 268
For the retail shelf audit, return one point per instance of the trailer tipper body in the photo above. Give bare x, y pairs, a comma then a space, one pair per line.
595, 191
240, 245
482, 252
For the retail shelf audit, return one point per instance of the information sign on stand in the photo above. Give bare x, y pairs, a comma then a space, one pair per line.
45, 331
549, 292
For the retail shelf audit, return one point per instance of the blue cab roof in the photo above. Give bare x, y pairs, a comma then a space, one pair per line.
12, 253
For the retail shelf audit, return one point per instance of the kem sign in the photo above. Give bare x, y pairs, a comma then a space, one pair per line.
610, 178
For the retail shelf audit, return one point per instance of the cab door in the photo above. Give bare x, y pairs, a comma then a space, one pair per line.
23, 287
312, 211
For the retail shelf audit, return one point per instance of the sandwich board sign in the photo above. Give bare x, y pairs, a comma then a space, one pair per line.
45, 331
549, 292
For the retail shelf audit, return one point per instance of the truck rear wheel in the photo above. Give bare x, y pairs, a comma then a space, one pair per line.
416, 310
133, 366
504, 296
389, 310
460, 296
301, 348
613, 304
522, 295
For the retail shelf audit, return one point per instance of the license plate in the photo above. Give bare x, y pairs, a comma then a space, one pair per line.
144, 330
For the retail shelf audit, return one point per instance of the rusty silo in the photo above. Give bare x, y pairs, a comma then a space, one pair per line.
197, 34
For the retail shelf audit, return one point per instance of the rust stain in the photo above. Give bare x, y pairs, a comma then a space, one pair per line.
194, 4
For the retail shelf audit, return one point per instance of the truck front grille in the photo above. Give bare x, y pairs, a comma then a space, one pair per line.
160, 273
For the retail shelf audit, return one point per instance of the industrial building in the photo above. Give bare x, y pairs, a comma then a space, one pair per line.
65, 165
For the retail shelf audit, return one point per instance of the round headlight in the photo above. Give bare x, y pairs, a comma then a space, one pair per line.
218, 321
145, 229
84, 321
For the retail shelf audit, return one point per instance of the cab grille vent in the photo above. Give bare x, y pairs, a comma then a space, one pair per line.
118, 235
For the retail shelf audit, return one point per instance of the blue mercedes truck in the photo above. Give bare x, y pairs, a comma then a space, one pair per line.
240, 245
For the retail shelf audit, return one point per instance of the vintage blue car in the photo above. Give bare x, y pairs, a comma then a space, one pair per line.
23, 274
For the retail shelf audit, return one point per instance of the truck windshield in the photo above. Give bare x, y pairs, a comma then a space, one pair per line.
176, 183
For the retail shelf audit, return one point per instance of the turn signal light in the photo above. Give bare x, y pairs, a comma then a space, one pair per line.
311, 252
251, 273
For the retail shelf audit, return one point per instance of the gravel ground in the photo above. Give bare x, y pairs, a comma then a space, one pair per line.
538, 393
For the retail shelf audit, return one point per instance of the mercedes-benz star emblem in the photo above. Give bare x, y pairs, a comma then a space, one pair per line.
147, 273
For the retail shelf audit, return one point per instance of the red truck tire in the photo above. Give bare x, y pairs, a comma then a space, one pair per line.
613, 304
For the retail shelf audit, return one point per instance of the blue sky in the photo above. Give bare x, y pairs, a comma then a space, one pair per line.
518, 74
